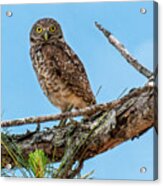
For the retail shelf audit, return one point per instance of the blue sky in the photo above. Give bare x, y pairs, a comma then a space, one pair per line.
23, 97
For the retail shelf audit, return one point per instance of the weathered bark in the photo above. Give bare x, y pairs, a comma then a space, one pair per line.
132, 116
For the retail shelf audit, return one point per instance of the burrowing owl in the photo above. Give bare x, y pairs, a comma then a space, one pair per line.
60, 72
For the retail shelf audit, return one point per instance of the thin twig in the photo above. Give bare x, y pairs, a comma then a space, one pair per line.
98, 91
124, 52
92, 109
121, 94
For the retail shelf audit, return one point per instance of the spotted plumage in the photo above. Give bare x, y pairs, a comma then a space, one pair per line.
60, 72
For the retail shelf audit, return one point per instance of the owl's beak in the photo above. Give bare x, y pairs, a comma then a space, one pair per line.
46, 36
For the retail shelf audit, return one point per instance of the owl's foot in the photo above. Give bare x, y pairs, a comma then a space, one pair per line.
63, 122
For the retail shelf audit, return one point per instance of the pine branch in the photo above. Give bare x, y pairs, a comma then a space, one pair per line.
122, 122
124, 52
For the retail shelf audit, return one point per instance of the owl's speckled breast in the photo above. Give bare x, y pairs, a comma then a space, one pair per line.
54, 88
52, 85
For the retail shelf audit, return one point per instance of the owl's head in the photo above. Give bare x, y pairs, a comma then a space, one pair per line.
45, 30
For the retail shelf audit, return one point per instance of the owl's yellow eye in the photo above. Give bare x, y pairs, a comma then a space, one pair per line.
39, 29
52, 28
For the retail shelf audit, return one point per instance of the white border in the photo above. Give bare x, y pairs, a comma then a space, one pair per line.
51, 182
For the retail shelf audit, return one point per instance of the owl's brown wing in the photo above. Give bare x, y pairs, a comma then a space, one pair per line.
72, 71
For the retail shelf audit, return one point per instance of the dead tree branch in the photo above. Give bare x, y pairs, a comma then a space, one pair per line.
129, 117
91, 110
124, 52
